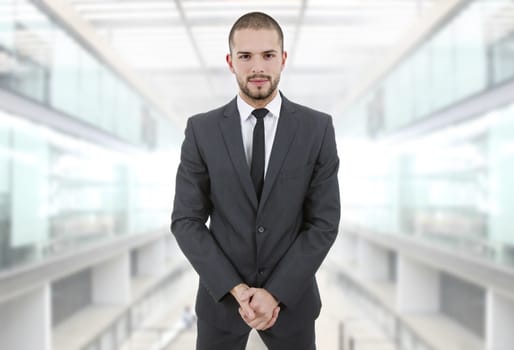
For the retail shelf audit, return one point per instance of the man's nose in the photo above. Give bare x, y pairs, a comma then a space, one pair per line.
258, 65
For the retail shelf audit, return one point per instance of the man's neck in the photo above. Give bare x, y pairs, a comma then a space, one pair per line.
258, 103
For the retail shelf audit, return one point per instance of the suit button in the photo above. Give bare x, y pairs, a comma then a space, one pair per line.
261, 229
261, 271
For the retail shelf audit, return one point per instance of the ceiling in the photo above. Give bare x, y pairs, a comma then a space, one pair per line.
178, 47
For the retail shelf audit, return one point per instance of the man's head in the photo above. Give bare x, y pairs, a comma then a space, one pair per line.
256, 57
256, 21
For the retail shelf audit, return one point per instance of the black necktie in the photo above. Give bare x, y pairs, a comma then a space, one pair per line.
257, 167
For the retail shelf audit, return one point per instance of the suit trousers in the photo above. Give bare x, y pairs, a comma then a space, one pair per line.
212, 338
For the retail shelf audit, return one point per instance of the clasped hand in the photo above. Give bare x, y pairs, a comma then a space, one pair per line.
257, 307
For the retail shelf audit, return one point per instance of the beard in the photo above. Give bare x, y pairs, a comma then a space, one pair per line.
261, 93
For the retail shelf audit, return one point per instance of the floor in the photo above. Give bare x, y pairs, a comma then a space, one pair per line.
337, 313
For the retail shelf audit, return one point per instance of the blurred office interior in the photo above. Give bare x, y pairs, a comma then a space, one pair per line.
94, 96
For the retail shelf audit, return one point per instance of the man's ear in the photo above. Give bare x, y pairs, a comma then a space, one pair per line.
229, 62
284, 58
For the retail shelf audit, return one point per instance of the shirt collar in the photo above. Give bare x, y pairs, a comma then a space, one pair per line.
245, 110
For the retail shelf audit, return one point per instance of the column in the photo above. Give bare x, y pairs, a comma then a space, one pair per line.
373, 261
111, 281
151, 258
25, 321
499, 321
417, 286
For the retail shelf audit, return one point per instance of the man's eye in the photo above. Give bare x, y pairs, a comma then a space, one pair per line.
269, 55
244, 57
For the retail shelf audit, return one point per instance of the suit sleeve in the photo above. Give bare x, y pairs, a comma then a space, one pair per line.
191, 210
321, 213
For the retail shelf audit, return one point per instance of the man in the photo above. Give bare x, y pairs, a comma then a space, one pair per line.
264, 170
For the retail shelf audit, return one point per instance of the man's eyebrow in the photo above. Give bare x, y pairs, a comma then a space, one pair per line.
249, 53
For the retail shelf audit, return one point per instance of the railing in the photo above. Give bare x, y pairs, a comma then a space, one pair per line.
133, 323
401, 334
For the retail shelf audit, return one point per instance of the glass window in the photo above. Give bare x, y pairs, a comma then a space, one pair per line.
7, 57
39, 59
33, 50
107, 99
128, 118
390, 102
442, 68
470, 53
89, 88
445, 183
501, 169
82, 200
5, 158
406, 92
455, 185
167, 134
399, 96
64, 80
122, 119
53, 198
29, 189
5, 190
499, 36
354, 124
502, 54
422, 82
7, 24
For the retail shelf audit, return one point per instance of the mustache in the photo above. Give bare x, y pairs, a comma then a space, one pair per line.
259, 76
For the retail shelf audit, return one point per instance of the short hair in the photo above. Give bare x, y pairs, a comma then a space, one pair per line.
256, 20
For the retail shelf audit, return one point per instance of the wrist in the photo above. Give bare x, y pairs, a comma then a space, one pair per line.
236, 290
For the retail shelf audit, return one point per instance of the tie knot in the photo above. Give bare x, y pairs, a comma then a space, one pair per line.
260, 113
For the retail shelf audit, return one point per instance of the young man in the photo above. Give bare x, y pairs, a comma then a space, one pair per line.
264, 170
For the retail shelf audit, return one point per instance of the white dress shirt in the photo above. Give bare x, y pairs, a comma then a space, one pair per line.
248, 122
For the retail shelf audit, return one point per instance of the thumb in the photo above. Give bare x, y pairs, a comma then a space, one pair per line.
247, 310
244, 301
246, 294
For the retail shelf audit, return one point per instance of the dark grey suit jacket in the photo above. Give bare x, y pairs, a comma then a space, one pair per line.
277, 243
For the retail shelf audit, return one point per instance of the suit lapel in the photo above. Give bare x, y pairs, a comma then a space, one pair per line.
286, 130
230, 125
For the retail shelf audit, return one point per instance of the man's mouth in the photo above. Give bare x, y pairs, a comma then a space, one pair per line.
258, 81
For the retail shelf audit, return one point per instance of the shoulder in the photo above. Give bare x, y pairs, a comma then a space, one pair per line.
212, 116
310, 112
206, 117
307, 116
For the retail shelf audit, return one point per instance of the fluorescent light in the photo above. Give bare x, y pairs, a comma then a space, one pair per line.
241, 5
132, 15
126, 6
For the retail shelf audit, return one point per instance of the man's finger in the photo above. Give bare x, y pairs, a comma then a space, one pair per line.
274, 318
244, 301
247, 310
261, 326
243, 315
247, 294
258, 323
247, 313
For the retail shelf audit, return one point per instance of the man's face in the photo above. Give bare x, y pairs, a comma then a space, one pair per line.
256, 59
